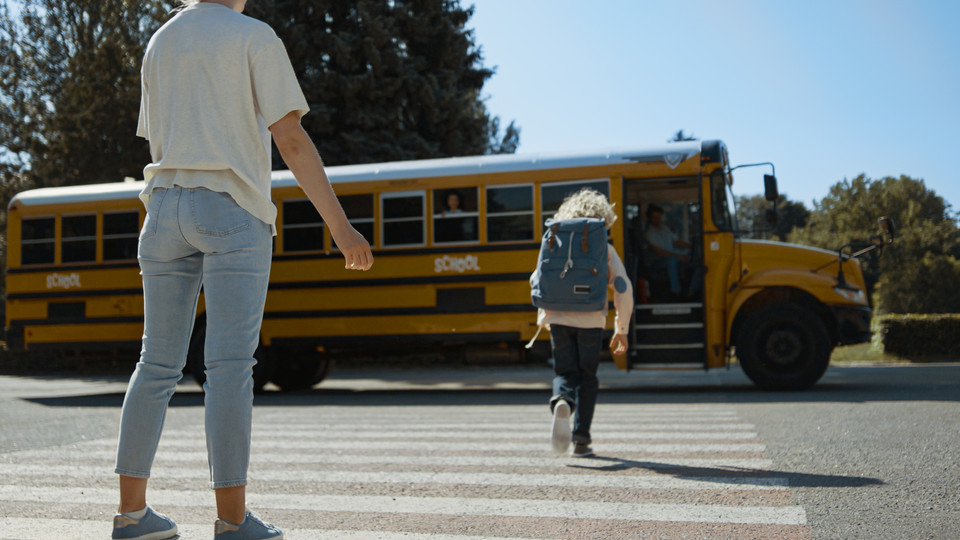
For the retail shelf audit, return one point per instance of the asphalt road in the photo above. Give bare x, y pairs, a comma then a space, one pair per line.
870, 452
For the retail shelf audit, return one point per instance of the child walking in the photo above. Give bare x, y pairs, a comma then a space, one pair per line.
575, 337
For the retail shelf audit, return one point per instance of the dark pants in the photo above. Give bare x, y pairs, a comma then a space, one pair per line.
576, 356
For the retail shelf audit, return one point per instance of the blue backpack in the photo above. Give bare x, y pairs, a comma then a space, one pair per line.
571, 272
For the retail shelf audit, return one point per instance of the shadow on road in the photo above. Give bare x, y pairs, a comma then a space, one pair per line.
734, 475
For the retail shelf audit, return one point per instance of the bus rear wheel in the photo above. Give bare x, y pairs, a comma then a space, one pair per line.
784, 347
262, 370
298, 369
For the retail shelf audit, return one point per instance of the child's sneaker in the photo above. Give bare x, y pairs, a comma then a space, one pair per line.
251, 529
581, 450
561, 427
152, 526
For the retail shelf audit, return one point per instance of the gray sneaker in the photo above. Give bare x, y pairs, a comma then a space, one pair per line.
252, 528
581, 450
561, 427
152, 526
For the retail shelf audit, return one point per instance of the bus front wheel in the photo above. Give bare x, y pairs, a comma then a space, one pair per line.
783, 347
262, 370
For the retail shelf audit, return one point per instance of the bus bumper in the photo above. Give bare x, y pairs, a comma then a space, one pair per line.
853, 324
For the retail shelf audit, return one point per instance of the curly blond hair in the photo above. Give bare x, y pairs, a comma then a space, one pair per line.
587, 203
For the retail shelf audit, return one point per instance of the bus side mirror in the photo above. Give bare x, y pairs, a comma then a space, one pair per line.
888, 228
770, 191
771, 217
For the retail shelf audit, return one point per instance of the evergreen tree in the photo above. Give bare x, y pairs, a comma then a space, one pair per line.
388, 79
70, 87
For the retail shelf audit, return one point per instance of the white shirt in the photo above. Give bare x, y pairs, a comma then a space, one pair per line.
662, 237
213, 80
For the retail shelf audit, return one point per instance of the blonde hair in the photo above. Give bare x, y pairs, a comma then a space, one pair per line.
587, 203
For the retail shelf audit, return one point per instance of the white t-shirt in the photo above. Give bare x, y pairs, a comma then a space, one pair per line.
213, 80
662, 237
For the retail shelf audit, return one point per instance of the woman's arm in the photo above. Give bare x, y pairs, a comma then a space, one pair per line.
300, 154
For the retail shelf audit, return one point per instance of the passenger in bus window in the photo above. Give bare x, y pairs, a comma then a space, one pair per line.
215, 86
452, 204
671, 255
575, 337
451, 225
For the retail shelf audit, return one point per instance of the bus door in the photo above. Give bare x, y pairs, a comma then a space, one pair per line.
668, 320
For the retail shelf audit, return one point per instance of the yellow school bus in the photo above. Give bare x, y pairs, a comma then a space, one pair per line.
455, 241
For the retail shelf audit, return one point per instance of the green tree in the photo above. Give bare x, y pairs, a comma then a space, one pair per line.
70, 87
752, 213
915, 273
388, 79
680, 136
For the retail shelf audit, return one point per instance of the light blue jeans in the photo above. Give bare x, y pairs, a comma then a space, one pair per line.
194, 237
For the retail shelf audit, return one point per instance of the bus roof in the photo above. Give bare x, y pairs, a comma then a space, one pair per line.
672, 153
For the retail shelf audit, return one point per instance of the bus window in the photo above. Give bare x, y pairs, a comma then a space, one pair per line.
78, 238
456, 215
359, 211
37, 240
509, 213
719, 209
553, 194
302, 226
402, 222
120, 235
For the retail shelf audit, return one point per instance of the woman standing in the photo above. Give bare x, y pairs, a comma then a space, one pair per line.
216, 85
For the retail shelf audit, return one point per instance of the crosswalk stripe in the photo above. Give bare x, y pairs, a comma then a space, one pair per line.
422, 417
412, 425
778, 515
343, 434
45, 529
548, 460
449, 478
485, 445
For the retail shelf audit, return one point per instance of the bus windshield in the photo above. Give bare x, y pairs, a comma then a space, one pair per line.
723, 217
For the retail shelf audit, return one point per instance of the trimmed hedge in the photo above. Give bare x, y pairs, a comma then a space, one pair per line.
920, 337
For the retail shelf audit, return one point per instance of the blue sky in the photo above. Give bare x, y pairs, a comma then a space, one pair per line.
824, 89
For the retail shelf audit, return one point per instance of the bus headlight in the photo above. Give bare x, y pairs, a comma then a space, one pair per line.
852, 294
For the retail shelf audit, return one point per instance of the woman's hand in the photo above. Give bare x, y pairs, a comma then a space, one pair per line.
355, 249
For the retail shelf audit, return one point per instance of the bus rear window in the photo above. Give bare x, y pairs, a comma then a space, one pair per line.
120, 235
510, 213
302, 226
78, 238
37, 239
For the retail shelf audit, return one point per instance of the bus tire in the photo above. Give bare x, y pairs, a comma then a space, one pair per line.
300, 369
262, 370
783, 347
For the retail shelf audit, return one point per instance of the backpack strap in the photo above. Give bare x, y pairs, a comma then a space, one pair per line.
569, 264
553, 237
584, 242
